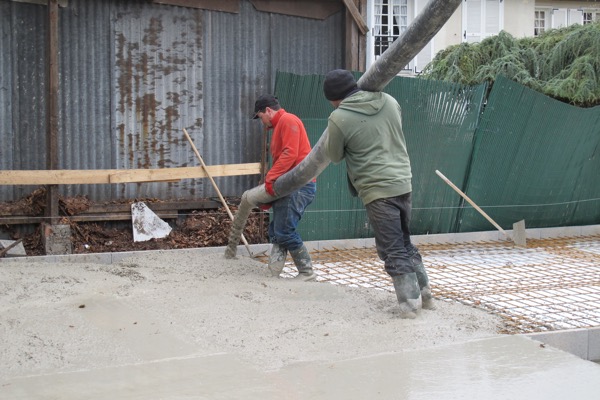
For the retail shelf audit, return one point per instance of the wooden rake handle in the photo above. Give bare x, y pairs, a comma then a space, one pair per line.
464, 196
216, 187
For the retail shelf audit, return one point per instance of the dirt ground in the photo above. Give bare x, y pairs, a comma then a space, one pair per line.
199, 228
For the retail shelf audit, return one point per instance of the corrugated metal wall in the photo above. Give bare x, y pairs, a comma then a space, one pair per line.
241, 62
22, 91
133, 74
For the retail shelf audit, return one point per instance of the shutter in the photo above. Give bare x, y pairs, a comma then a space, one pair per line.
492, 17
559, 18
472, 22
575, 16
481, 18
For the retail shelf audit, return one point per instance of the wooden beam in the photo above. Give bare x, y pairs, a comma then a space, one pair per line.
118, 212
355, 42
105, 176
165, 174
315, 9
360, 22
230, 6
52, 82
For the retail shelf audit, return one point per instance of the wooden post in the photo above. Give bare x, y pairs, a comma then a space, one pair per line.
52, 109
356, 29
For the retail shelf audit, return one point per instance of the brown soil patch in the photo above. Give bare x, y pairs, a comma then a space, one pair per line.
197, 228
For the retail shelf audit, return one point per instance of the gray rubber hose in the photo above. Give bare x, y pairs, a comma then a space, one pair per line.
384, 69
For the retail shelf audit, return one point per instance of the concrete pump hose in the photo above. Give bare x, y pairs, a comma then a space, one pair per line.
420, 32
312, 165
429, 21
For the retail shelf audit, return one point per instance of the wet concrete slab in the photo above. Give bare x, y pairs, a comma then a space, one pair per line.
504, 367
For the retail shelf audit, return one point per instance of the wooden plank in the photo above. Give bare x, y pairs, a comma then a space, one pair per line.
158, 206
102, 176
316, 9
118, 216
230, 6
118, 212
360, 22
52, 110
164, 174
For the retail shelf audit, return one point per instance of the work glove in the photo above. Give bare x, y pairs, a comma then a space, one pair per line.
269, 188
265, 207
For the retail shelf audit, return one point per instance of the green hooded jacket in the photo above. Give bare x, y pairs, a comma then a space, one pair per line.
366, 131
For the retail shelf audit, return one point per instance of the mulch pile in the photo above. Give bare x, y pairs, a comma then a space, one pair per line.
198, 228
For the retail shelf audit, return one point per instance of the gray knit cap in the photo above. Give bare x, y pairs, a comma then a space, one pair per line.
339, 84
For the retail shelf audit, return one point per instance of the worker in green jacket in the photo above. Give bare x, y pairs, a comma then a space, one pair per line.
365, 130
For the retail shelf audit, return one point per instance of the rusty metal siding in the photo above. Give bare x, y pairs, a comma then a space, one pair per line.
158, 92
133, 74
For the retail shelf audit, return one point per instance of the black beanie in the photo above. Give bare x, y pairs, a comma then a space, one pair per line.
339, 84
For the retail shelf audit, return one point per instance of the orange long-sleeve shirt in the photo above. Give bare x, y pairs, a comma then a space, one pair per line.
289, 144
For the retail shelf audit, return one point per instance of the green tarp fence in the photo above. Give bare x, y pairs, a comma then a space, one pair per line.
535, 158
522, 156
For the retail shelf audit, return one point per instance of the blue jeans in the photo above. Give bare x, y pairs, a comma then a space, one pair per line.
287, 212
390, 219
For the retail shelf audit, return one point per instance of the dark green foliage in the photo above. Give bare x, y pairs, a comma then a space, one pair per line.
561, 63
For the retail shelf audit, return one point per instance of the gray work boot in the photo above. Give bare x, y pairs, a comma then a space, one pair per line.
277, 259
426, 296
408, 294
303, 262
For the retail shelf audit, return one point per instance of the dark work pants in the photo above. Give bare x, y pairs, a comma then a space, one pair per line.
287, 213
390, 219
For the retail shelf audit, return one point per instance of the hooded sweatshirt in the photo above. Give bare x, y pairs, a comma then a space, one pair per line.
366, 131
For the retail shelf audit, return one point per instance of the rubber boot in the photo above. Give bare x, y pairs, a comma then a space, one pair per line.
303, 262
277, 259
408, 294
426, 296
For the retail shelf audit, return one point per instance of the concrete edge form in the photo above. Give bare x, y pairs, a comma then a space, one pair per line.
583, 343
486, 236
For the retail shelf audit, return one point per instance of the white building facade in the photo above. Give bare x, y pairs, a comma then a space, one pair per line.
472, 22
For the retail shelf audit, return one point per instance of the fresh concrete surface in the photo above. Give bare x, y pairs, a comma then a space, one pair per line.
509, 367
583, 343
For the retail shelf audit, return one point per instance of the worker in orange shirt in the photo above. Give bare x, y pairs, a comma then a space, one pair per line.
289, 146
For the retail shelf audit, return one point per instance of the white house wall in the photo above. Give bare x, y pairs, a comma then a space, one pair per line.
518, 17
565, 13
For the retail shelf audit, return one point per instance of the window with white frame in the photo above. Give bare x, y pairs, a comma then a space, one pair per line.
539, 23
390, 19
590, 16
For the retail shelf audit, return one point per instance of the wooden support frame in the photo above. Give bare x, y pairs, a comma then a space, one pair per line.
356, 41
109, 176
52, 110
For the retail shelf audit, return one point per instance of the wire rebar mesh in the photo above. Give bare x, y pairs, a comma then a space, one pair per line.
552, 284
